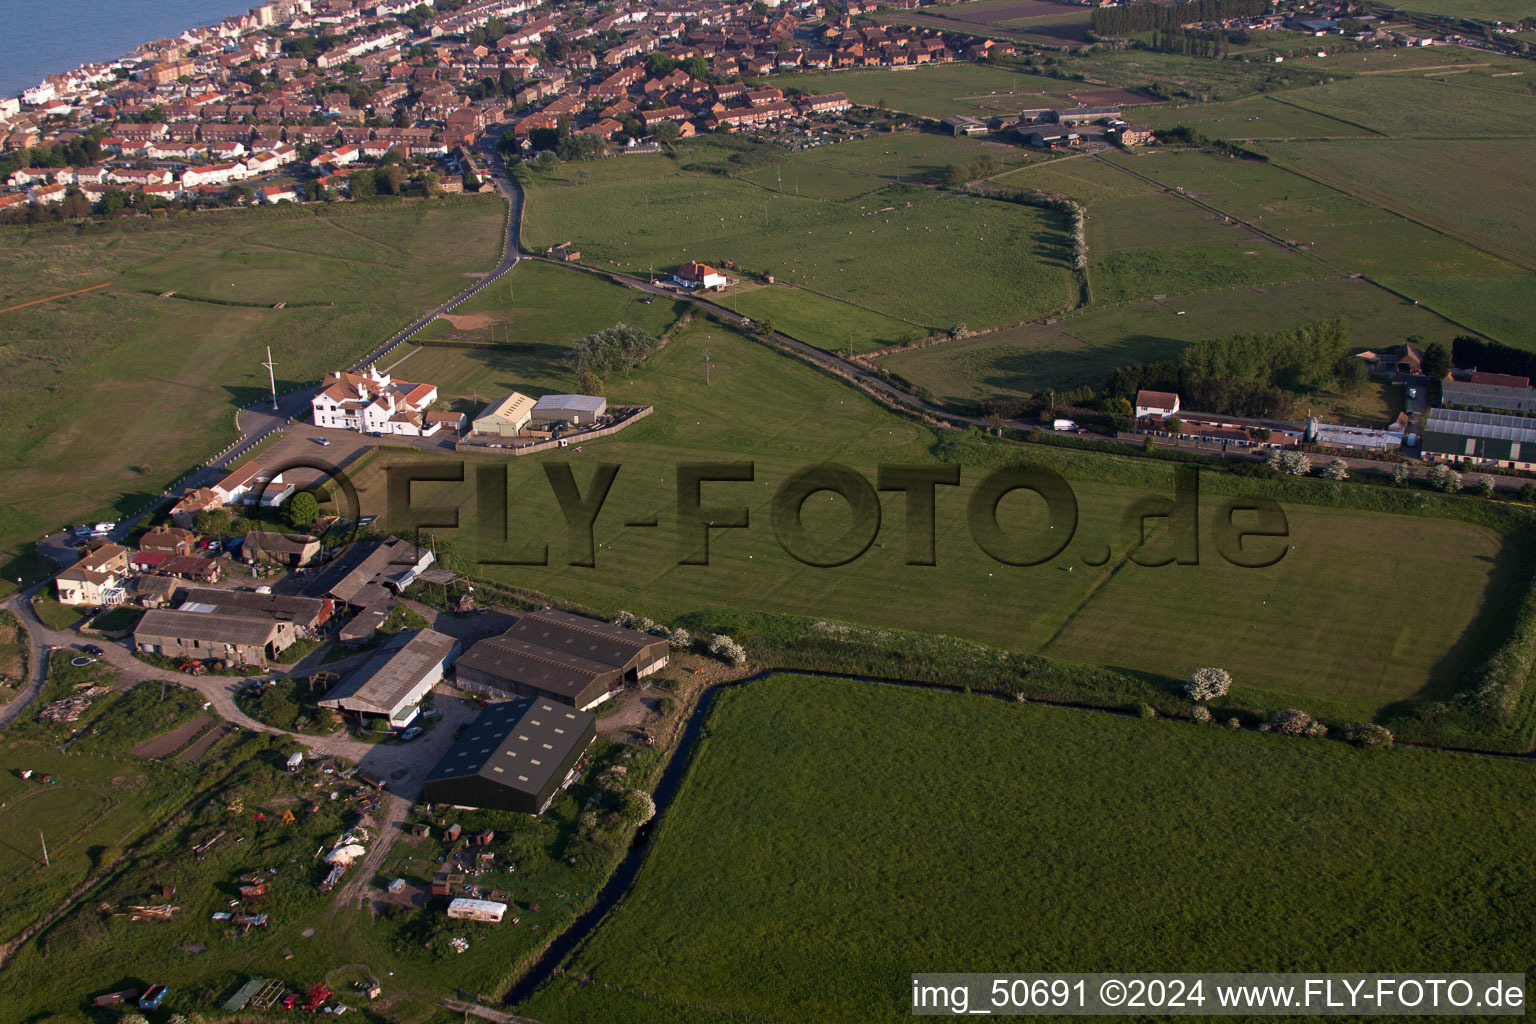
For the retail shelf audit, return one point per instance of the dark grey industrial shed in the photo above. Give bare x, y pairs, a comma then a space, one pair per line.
563, 657
515, 756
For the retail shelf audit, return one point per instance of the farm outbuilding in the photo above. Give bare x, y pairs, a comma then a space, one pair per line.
505, 418
577, 410
515, 756
465, 909
562, 657
393, 681
1482, 438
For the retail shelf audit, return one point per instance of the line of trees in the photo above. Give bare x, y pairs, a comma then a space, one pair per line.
1191, 42
1492, 357
1244, 375
1145, 17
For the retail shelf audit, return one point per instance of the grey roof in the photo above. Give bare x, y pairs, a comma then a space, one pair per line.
1490, 396
357, 576
587, 639
1488, 425
382, 682
531, 664
562, 653
249, 603
217, 627
519, 744
575, 403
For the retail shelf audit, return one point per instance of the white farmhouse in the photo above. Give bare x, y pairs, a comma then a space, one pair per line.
374, 403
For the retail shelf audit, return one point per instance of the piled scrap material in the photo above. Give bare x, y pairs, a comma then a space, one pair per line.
162, 912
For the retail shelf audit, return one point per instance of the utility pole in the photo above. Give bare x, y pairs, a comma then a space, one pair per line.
706, 367
271, 377
44, 841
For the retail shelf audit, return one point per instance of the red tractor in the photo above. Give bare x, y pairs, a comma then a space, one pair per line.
194, 668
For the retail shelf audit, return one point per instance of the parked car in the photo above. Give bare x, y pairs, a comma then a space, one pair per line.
94, 651
322, 441
411, 733
430, 713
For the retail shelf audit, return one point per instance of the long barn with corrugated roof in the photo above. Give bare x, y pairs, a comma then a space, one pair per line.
562, 657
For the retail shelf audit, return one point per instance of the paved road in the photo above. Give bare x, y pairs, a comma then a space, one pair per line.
37, 656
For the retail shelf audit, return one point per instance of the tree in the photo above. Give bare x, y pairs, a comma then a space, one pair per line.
302, 509
1293, 722
1205, 683
471, 180
1528, 494
958, 331
75, 206
213, 522
1436, 362
1352, 375
1401, 474
589, 383
637, 807
1444, 478
1485, 486
667, 131
391, 179
1174, 425
723, 647
1338, 469
619, 347
363, 184
1291, 463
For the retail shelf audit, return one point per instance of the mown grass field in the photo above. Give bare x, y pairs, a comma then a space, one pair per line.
930, 257
1474, 288
849, 169
1086, 347
1425, 180
826, 323
1005, 837
1143, 241
1258, 117
1424, 107
940, 90
110, 395
780, 415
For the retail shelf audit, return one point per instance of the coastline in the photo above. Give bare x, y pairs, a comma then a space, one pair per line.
51, 39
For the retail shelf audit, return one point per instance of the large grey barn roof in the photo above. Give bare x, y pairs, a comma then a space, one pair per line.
392, 671
519, 744
589, 639
251, 604
1487, 425
576, 403
527, 662
218, 627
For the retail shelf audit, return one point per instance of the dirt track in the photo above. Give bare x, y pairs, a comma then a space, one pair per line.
168, 743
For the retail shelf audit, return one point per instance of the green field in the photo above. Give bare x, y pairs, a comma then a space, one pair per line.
1143, 241
1425, 180
1422, 107
850, 834
1474, 288
1259, 117
850, 169
930, 257
1085, 348
781, 415
823, 322
939, 90
111, 395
